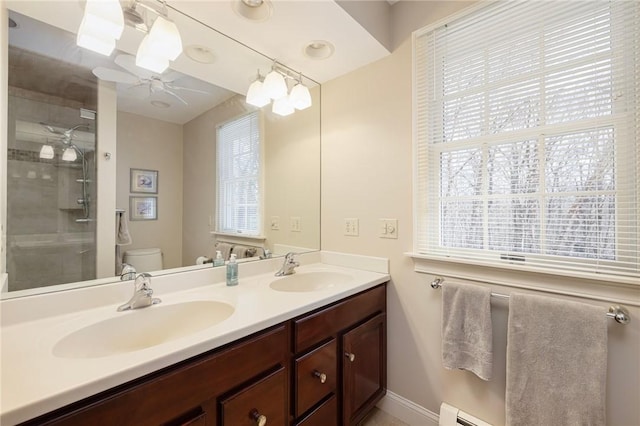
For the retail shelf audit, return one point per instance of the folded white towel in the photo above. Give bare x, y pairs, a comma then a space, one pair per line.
466, 329
224, 249
556, 362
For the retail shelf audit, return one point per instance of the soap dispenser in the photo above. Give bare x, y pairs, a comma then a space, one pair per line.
218, 261
232, 271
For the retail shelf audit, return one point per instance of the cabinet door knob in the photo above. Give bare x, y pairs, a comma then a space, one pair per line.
351, 356
321, 376
260, 419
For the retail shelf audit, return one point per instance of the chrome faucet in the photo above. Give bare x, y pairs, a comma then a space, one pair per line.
128, 272
266, 253
289, 266
142, 294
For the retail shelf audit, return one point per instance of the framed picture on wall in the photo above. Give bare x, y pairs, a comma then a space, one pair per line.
143, 208
144, 181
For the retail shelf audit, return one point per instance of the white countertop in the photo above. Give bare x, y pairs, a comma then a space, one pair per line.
34, 381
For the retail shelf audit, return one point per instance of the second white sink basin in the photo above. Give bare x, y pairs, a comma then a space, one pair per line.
142, 328
310, 281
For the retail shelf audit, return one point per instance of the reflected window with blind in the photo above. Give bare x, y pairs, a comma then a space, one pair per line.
239, 176
527, 127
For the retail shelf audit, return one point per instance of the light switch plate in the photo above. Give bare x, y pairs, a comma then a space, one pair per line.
295, 224
388, 228
351, 227
275, 223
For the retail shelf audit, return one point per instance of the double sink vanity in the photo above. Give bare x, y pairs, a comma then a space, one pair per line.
304, 349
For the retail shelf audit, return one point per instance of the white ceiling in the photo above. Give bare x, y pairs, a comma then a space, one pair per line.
240, 46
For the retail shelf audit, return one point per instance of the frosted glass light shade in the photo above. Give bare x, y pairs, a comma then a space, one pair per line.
256, 96
46, 152
274, 85
283, 106
164, 39
69, 154
300, 97
148, 59
102, 24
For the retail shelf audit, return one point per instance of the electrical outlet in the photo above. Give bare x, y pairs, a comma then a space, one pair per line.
295, 224
351, 227
275, 223
388, 228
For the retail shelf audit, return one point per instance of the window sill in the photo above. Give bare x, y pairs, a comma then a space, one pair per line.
238, 238
622, 290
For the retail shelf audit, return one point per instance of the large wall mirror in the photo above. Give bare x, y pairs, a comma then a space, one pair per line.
108, 162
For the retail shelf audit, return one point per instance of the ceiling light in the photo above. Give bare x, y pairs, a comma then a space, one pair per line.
300, 97
69, 154
200, 54
253, 10
160, 104
102, 24
318, 49
283, 106
46, 152
274, 85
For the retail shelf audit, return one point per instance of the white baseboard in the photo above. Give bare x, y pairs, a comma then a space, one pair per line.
407, 411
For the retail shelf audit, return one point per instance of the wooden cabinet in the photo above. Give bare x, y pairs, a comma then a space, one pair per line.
352, 334
323, 368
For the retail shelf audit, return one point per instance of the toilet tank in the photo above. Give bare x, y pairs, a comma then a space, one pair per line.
145, 259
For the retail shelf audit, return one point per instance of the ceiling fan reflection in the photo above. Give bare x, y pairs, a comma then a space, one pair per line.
139, 77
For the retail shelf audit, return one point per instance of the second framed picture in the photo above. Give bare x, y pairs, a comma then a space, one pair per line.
144, 181
143, 208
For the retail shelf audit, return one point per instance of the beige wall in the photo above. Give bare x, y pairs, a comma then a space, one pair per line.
367, 173
145, 143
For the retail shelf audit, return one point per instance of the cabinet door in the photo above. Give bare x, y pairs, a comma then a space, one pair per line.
262, 403
315, 376
364, 368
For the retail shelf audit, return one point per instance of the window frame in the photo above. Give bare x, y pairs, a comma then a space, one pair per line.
218, 211
424, 183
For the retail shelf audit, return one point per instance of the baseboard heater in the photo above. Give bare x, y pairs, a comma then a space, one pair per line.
451, 416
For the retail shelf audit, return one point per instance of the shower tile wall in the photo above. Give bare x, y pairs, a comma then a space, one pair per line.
45, 244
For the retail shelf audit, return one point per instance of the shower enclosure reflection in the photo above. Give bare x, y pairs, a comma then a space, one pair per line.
51, 182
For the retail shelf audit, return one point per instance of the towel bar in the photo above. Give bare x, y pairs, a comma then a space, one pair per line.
616, 312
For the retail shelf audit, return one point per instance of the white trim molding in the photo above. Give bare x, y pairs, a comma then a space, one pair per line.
407, 411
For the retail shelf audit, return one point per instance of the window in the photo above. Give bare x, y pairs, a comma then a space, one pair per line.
239, 176
527, 127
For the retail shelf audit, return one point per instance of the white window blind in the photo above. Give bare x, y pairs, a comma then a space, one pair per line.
239, 176
527, 132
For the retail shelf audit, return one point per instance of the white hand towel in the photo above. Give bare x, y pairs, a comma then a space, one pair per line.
556, 362
224, 248
466, 329
123, 237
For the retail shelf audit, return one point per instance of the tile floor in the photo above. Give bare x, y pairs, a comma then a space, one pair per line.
380, 418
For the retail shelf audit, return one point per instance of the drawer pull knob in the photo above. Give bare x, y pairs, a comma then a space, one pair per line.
260, 419
351, 356
321, 376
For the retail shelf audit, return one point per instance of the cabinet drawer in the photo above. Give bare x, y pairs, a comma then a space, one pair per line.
312, 329
325, 415
315, 375
261, 403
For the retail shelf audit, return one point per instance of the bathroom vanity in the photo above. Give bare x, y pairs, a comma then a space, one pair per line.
324, 364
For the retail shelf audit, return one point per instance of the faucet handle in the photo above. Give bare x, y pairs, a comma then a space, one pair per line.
128, 272
143, 282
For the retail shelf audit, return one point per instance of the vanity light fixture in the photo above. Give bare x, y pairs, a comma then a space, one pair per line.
275, 87
102, 24
46, 152
69, 154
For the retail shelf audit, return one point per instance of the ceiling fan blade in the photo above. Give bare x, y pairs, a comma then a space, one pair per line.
172, 87
107, 74
175, 95
128, 62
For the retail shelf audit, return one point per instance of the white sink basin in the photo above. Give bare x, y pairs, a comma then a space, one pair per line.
142, 328
310, 281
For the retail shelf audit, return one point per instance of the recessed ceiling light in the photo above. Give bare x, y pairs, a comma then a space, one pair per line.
319, 49
201, 54
253, 10
160, 104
